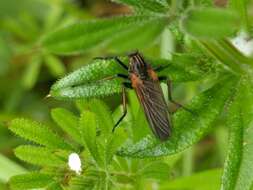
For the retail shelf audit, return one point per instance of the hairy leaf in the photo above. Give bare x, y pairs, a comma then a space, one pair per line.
38, 155
30, 181
238, 165
113, 143
155, 170
88, 128
188, 127
234, 155
97, 79
68, 122
96, 89
206, 23
83, 36
98, 107
186, 67
38, 133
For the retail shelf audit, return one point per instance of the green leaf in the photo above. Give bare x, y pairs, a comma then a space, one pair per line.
32, 72
159, 6
54, 186
187, 67
83, 36
89, 81
207, 180
68, 122
9, 168
30, 181
234, 155
98, 107
55, 65
91, 180
34, 155
241, 7
238, 165
113, 143
226, 53
139, 40
88, 128
206, 23
96, 89
155, 170
188, 128
37, 133
96, 79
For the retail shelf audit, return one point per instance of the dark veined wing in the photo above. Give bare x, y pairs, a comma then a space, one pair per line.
155, 108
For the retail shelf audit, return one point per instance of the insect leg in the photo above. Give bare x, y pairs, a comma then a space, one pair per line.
169, 85
116, 59
124, 108
128, 85
160, 68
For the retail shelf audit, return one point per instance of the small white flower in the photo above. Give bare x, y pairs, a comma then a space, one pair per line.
74, 163
243, 44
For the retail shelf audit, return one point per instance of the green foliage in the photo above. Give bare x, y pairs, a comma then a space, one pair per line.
34, 155
29, 181
208, 180
98, 78
88, 128
32, 72
207, 22
238, 163
97, 150
149, 5
203, 62
9, 168
88, 35
55, 65
68, 122
37, 133
241, 7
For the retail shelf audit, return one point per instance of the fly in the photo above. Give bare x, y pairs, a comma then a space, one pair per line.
146, 83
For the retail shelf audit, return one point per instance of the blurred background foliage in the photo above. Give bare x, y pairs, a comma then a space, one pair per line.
27, 73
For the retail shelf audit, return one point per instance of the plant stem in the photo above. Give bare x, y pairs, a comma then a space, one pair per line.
188, 160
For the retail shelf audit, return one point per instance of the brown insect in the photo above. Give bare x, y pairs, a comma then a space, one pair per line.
144, 80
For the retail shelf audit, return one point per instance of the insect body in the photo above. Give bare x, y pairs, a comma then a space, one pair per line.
144, 80
146, 84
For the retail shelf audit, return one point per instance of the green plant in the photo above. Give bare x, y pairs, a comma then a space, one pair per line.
207, 59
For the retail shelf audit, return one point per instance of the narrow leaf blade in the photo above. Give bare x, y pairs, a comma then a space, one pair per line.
30, 181
34, 155
68, 122
206, 23
86, 35
88, 128
38, 133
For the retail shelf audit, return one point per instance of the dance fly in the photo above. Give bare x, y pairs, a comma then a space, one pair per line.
146, 83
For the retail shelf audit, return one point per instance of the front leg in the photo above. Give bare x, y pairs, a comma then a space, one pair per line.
117, 60
169, 86
124, 108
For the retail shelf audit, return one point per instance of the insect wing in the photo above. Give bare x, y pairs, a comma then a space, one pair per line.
155, 108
